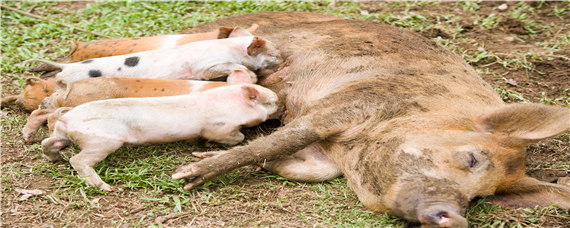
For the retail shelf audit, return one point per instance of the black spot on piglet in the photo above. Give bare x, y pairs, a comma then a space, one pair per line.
132, 61
87, 61
95, 73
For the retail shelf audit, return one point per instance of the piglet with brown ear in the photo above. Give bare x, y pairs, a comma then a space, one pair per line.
202, 60
36, 90
101, 127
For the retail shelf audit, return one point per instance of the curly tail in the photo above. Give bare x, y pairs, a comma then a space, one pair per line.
58, 113
32, 80
63, 83
48, 66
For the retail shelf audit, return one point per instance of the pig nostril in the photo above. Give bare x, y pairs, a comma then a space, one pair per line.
442, 215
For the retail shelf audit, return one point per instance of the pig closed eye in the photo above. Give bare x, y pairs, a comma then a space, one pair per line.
472, 160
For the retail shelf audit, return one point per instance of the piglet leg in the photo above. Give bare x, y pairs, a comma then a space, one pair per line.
94, 150
36, 119
51, 147
224, 136
231, 70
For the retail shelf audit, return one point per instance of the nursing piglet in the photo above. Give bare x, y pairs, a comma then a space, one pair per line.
202, 60
101, 127
103, 88
81, 51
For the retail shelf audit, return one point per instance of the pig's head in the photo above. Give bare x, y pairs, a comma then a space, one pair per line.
260, 97
433, 171
265, 56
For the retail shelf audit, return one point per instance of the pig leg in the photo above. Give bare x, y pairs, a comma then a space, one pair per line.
289, 139
308, 165
51, 147
230, 70
93, 150
221, 135
36, 119
51, 123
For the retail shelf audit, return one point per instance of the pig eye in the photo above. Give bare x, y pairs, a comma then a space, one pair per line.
472, 160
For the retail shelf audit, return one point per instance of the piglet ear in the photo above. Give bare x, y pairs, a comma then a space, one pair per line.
253, 28
256, 46
224, 32
520, 125
240, 76
239, 32
530, 192
251, 95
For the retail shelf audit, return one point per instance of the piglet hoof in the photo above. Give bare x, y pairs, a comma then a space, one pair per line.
208, 154
101, 185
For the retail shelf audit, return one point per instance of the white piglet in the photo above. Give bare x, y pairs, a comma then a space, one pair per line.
203, 60
101, 127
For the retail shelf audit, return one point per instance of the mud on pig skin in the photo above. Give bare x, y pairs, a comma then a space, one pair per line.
202, 60
101, 127
35, 91
413, 128
81, 51
103, 88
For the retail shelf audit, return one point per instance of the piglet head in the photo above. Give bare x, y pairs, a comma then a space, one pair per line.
266, 99
268, 57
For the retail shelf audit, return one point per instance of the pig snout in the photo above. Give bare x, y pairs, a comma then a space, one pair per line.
441, 216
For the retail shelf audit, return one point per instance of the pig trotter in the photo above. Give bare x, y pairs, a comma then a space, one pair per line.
51, 147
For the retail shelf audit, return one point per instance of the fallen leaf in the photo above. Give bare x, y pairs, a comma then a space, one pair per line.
511, 82
29, 192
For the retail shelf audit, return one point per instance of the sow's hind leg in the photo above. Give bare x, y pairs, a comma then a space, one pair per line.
308, 165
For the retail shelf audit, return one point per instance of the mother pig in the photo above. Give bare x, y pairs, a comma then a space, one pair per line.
414, 129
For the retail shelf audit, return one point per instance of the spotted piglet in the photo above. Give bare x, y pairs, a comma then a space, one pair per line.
202, 60
101, 127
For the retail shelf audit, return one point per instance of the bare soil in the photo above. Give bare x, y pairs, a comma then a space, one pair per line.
283, 205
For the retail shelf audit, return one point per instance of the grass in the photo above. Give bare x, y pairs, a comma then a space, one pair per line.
142, 174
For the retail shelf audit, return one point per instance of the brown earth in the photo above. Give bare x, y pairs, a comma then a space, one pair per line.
551, 77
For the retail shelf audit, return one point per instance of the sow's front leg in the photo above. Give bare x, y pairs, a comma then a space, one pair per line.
291, 138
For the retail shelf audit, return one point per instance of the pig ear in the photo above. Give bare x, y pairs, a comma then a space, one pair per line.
256, 45
224, 32
251, 95
253, 28
239, 76
530, 192
239, 32
520, 125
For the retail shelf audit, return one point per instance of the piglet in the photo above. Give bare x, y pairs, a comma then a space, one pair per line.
202, 60
36, 90
81, 51
101, 127
103, 88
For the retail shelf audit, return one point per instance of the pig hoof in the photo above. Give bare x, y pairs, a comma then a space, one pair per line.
105, 187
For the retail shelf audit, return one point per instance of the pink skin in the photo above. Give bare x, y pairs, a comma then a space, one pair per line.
101, 127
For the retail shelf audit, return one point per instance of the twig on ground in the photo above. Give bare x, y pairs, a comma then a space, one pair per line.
32, 8
59, 23
160, 220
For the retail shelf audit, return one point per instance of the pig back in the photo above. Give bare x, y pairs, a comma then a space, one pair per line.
326, 55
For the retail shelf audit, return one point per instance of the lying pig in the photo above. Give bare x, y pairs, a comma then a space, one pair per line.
101, 127
103, 88
413, 128
81, 51
36, 90
202, 60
